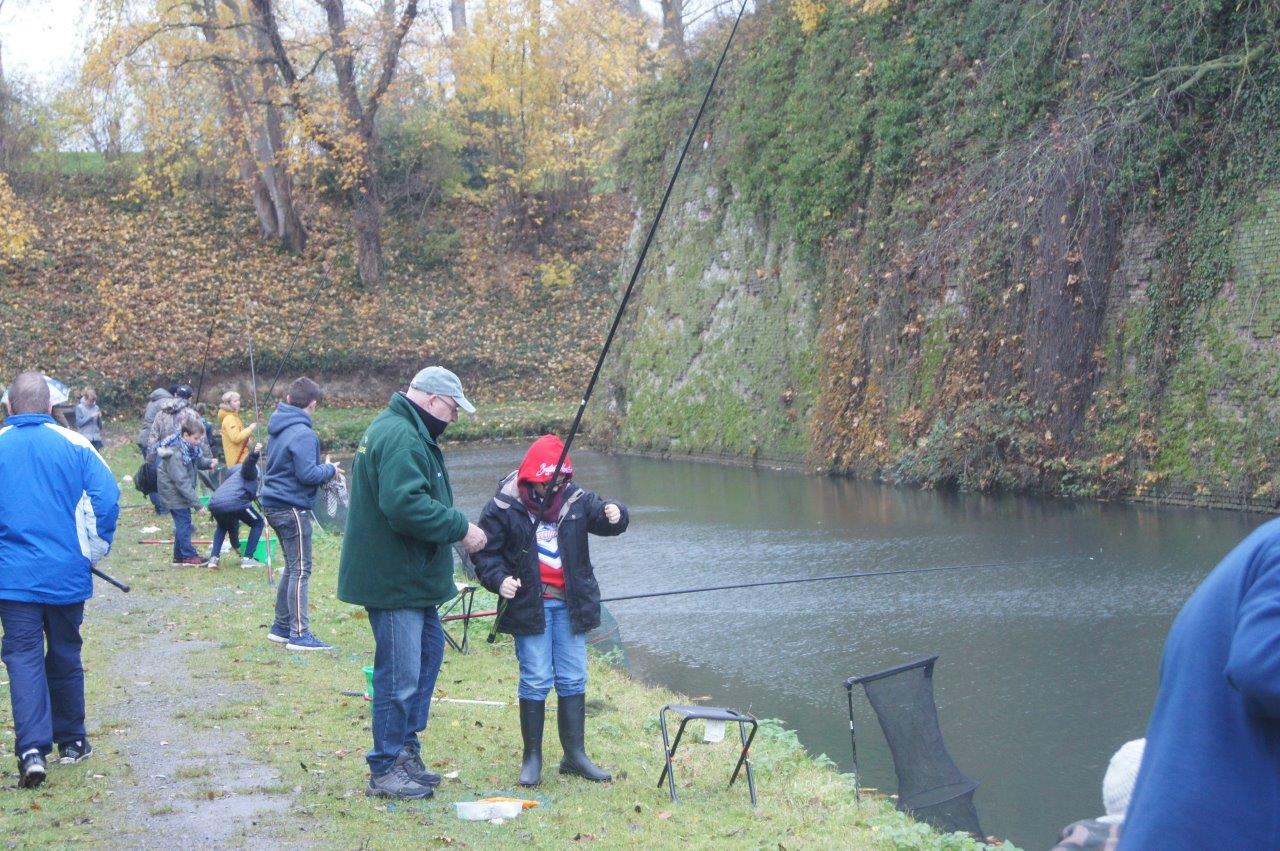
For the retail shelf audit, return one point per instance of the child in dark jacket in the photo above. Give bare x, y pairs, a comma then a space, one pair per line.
177, 459
232, 503
537, 560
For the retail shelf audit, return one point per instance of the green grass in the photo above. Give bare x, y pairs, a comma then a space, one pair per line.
295, 717
342, 428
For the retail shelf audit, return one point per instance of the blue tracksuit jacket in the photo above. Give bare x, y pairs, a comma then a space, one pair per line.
58, 508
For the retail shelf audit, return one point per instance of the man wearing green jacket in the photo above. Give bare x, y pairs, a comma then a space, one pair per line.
397, 562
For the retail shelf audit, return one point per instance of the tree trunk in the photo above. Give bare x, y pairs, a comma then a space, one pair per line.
263, 138
368, 226
290, 230
266, 181
672, 27
458, 15
270, 145
358, 118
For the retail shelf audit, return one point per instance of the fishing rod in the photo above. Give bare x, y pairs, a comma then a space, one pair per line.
253, 375
858, 575
208, 344
288, 353
622, 306
253, 382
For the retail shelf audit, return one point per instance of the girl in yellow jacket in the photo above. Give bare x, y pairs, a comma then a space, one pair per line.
236, 436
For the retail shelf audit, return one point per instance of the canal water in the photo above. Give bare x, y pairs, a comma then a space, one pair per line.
1046, 665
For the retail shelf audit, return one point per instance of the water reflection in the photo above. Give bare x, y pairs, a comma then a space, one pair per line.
1047, 664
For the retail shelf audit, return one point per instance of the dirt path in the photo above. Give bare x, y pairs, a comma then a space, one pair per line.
177, 779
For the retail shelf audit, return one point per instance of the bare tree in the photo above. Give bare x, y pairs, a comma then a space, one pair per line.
672, 27
255, 128
4, 92
353, 146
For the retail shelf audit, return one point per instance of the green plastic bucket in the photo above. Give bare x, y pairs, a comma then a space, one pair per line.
368, 679
260, 551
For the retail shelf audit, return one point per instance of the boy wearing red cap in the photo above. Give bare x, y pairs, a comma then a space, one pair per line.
537, 559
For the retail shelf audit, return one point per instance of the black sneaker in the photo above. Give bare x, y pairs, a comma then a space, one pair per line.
70, 753
397, 783
31, 770
418, 769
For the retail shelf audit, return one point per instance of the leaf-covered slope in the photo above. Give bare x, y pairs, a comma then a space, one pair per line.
124, 298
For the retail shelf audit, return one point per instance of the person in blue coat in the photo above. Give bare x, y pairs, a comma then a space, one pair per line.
53, 529
1210, 775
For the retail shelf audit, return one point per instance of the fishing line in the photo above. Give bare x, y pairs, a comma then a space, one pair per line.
858, 575
556, 484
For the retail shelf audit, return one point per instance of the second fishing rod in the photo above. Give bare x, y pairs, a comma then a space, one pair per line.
556, 483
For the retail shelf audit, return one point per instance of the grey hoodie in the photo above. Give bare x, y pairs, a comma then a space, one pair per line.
154, 401
294, 468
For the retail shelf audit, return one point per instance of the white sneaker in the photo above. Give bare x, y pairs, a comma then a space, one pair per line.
248, 563
213, 562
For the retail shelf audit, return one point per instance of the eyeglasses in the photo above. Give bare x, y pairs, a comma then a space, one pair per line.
450, 404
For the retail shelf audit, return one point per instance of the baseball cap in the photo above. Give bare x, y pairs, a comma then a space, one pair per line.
441, 382
186, 391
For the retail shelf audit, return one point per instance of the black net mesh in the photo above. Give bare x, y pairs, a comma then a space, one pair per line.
930, 785
330, 509
607, 638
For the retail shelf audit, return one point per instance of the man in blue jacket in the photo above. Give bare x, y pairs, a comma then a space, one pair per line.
53, 528
1210, 775
294, 474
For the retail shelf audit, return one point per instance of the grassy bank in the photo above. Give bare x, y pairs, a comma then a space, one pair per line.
342, 428
289, 711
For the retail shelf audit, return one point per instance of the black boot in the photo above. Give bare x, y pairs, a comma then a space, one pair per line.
532, 715
572, 722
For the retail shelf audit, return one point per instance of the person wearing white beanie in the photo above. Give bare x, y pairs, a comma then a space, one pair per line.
1103, 833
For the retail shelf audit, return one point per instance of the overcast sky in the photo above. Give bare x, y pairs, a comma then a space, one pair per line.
42, 39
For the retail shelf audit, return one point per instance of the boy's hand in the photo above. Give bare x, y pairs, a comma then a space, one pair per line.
508, 588
257, 447
475, 539
612, 513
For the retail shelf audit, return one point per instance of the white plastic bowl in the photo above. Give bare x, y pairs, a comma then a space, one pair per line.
485, 810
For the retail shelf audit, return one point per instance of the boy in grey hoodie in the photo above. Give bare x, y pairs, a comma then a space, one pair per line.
294, 474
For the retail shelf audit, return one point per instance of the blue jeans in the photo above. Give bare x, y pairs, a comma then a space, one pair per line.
46, 686
409, 647
558, 655
182, 529
229, 526
293, 530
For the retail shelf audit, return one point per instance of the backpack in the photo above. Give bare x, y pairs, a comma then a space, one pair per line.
146, 480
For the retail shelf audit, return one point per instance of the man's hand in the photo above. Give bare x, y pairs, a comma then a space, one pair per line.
612, 513
508, 587
475, 539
